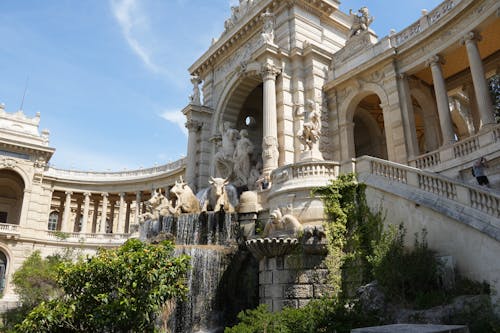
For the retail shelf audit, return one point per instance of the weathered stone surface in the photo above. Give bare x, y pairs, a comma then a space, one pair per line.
321, 290
281, 303
284, 276
274, 291
318, 276
412, 328
299, 291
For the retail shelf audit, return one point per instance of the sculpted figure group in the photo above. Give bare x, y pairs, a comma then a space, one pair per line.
280, 225
234, 158
311, 130
360, 22
218, 197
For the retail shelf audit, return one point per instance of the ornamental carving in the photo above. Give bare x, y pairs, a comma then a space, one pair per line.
8, 163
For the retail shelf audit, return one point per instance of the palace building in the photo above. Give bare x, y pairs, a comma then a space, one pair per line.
292, 94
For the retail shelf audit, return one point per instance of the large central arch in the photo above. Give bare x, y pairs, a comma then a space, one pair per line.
11, 196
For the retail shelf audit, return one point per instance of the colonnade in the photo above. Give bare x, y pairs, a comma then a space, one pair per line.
479, 95
98, 211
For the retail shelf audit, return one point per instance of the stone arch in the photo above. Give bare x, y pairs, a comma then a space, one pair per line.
14, 167
242, 91
8, 267
347, 112
429, 114
12, 189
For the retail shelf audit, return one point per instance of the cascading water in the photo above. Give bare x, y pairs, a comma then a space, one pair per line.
210, 240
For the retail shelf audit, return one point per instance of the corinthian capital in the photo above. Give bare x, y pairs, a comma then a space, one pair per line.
193, 125
435, 60
269, 71
471, 36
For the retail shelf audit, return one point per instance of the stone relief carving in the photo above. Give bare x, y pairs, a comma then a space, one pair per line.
224, 162
241, 56
280, 225
360, 22
242, 157
195, 97
311, 129
8, 163
270, 150
267, 34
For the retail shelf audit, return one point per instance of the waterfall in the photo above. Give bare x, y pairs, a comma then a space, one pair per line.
207, 239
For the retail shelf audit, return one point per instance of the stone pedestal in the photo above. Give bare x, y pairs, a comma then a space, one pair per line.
290, 272
311, 155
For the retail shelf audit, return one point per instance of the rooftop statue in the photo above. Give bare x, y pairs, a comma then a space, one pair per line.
360, 22
267, 34
195, 97
311, 130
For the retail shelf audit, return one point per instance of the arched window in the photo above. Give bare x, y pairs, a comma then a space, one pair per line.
53, 217
3, 270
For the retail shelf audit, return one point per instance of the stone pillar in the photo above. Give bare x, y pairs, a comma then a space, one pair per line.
67, 211
61, 214
137, 207
121, 214
86, 206
477, 71
76, 227
270, 153
112, 205
442, 99
468, 90
126, 228
95, 215
408, 116
104, 211
193, 127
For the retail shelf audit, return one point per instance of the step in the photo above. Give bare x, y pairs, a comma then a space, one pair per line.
413, 328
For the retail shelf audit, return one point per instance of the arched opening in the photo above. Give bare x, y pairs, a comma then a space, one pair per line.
238, 153
11, 196
53, 218
369, 133
3, 270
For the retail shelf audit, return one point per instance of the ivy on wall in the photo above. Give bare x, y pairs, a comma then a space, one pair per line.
352, 232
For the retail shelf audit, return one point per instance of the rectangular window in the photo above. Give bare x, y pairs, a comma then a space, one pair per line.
3, 217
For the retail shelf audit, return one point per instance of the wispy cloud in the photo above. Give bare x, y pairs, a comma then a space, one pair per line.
176, 117
134, 23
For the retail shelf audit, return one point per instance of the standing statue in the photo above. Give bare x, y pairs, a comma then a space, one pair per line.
282, 225
311, 130
360, 22
195, 97
224, 157
267, 34
242, 153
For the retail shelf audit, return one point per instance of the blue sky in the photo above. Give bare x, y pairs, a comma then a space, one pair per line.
109, 77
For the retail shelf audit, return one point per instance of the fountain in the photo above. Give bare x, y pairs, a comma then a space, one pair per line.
223, 279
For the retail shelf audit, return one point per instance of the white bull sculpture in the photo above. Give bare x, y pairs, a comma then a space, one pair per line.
219, 196
186, 200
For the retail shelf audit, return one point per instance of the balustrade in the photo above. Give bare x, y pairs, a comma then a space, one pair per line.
317, 169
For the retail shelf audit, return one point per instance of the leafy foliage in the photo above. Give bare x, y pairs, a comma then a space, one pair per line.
494, 85
322, 315
352, 230
118, 290
405, 274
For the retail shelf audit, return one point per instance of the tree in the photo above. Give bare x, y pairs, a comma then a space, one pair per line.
494, 85
117, 290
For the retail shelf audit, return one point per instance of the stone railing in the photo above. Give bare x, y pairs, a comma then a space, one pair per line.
423, 23
9, 228
302, 170
73, 174
458, 150
73, 237
470, 196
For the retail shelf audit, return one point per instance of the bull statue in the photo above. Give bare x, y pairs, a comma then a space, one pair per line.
218, 196
158, 205
282, 225
186, 200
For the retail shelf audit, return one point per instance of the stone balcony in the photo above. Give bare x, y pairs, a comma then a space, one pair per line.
14, 231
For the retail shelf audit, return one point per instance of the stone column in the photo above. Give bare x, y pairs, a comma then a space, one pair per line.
477, 71
121, 214
112, 205
67, 211
408, 116
270, 152
104, 211
137, 207
76, 227
442, 99
193, 127
126, 228
468, 90
95, 215
86, 206
61, 214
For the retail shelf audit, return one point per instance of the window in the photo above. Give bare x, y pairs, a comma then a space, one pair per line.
53, 217
3, 217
